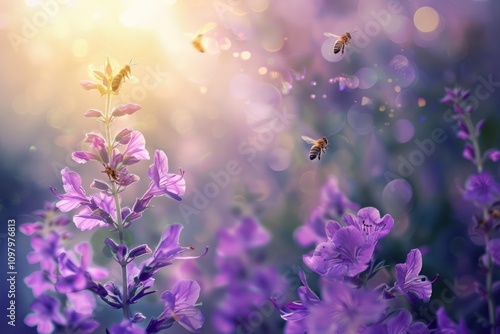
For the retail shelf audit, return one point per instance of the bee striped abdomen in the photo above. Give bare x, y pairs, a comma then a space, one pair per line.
314, 152
337, 47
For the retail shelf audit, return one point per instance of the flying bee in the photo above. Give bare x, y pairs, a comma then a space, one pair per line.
120, 77
112, 173
197, 41
318, 146
342, 41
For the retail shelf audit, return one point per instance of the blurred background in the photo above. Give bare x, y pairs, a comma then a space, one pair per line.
268, 76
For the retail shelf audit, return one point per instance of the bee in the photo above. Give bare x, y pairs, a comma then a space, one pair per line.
198, 37
119, 78
341, 42
113, 174
318, 146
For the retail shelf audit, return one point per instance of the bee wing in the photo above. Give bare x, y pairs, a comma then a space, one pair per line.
308, 140
206, 28
329, 34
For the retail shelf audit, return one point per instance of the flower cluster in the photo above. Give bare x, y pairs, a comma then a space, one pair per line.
483, 190
71, 273
345, 262
247, 282
54, 308
333, 203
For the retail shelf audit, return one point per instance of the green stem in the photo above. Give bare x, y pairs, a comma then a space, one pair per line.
119, 221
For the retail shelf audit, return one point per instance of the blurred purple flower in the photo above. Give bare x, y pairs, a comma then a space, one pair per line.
125, 109
248, 234
76, 278
344, 309
180, 307
334, 201
401, 323
493, 247
125, 327
163, 182
46, 313
298, 310
82, 302
492, 154
481, 188
45, 250
409, 283
447, 326
347, 253
75, 195
52, 220
369, 223
80, 323
167, 251
313, 230
39, 282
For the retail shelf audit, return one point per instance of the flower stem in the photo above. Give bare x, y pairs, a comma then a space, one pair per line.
119, 221
489, 263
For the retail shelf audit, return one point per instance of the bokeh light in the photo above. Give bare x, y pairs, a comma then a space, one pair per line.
426, 19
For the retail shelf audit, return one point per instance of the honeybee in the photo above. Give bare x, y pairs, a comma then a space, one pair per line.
120, 77
318, 146
113, 175
198, 37
341, 42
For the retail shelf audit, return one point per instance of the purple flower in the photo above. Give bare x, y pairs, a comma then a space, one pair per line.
101, 212
76, 278
97, 145
163, 182
46, 313
409, 283
447, 326
135, 150
347, 253
246, 235
180, 307
481, 188
75, 195
39, 282
344, 309
45, 250
313, 230
492, 154
299, 310
368, 221
125, 327
401, 323
80, 323
167, 251
125, 109
493, 248
334, 201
